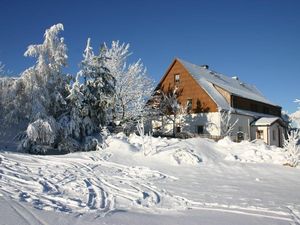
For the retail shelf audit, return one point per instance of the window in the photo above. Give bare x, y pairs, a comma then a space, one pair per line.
266, 110
240, 136
274, 135
253, 107
234, 102
260, 134
189, 105
178, 129
200, 129
177, 78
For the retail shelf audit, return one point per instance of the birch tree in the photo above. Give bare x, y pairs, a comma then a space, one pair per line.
168, 107
226, 123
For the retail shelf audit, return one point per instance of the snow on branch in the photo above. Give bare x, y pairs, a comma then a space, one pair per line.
167, 105
133, 86
42, 131
52, 52
226, 123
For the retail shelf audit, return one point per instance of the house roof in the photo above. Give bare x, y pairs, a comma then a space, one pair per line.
208, 78
266, 121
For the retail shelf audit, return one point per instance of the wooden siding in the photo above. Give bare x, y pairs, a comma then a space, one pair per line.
254, 106
190, 89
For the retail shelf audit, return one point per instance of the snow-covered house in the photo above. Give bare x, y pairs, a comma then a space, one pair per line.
208, 94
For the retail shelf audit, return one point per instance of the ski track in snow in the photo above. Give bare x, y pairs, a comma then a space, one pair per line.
92, 184
81, 185
26, 215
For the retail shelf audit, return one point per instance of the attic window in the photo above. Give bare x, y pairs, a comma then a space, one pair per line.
177, 78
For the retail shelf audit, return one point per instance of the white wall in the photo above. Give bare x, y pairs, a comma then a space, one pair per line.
210, 122
190, 122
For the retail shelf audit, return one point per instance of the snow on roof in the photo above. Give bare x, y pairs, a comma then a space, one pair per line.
207, 78
264, 121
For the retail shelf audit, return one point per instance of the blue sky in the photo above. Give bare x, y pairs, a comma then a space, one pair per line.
259, 41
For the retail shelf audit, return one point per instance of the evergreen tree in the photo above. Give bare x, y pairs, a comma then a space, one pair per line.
88, 102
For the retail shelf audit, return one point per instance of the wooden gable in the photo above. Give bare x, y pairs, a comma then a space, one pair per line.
190, 89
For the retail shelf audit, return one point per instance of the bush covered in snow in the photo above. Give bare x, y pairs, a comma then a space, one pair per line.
292, 148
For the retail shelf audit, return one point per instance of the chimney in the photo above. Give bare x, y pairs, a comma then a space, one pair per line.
204, 66
235, 78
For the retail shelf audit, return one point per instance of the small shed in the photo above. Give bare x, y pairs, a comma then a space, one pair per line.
269, 129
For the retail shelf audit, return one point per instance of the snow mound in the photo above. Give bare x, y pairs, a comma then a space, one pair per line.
196, 151
255, 151
185, 157
172, 151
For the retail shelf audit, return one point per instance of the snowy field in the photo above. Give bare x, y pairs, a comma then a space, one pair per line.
194, 181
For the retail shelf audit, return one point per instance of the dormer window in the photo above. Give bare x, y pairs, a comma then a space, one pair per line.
177, 78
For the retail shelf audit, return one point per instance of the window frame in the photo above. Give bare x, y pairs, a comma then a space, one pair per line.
177, 75
260, 134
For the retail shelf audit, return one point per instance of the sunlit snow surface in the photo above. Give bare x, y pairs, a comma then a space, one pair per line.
195, 181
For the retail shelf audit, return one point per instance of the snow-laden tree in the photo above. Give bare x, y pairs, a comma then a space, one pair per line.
45, 88
227, 124
45, 81
133, 85
40, 90
88, 101
75, 99
11, 92
42, 131
99, 85
292, 148
168, 107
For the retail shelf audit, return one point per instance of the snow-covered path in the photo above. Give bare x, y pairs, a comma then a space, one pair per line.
120, 183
